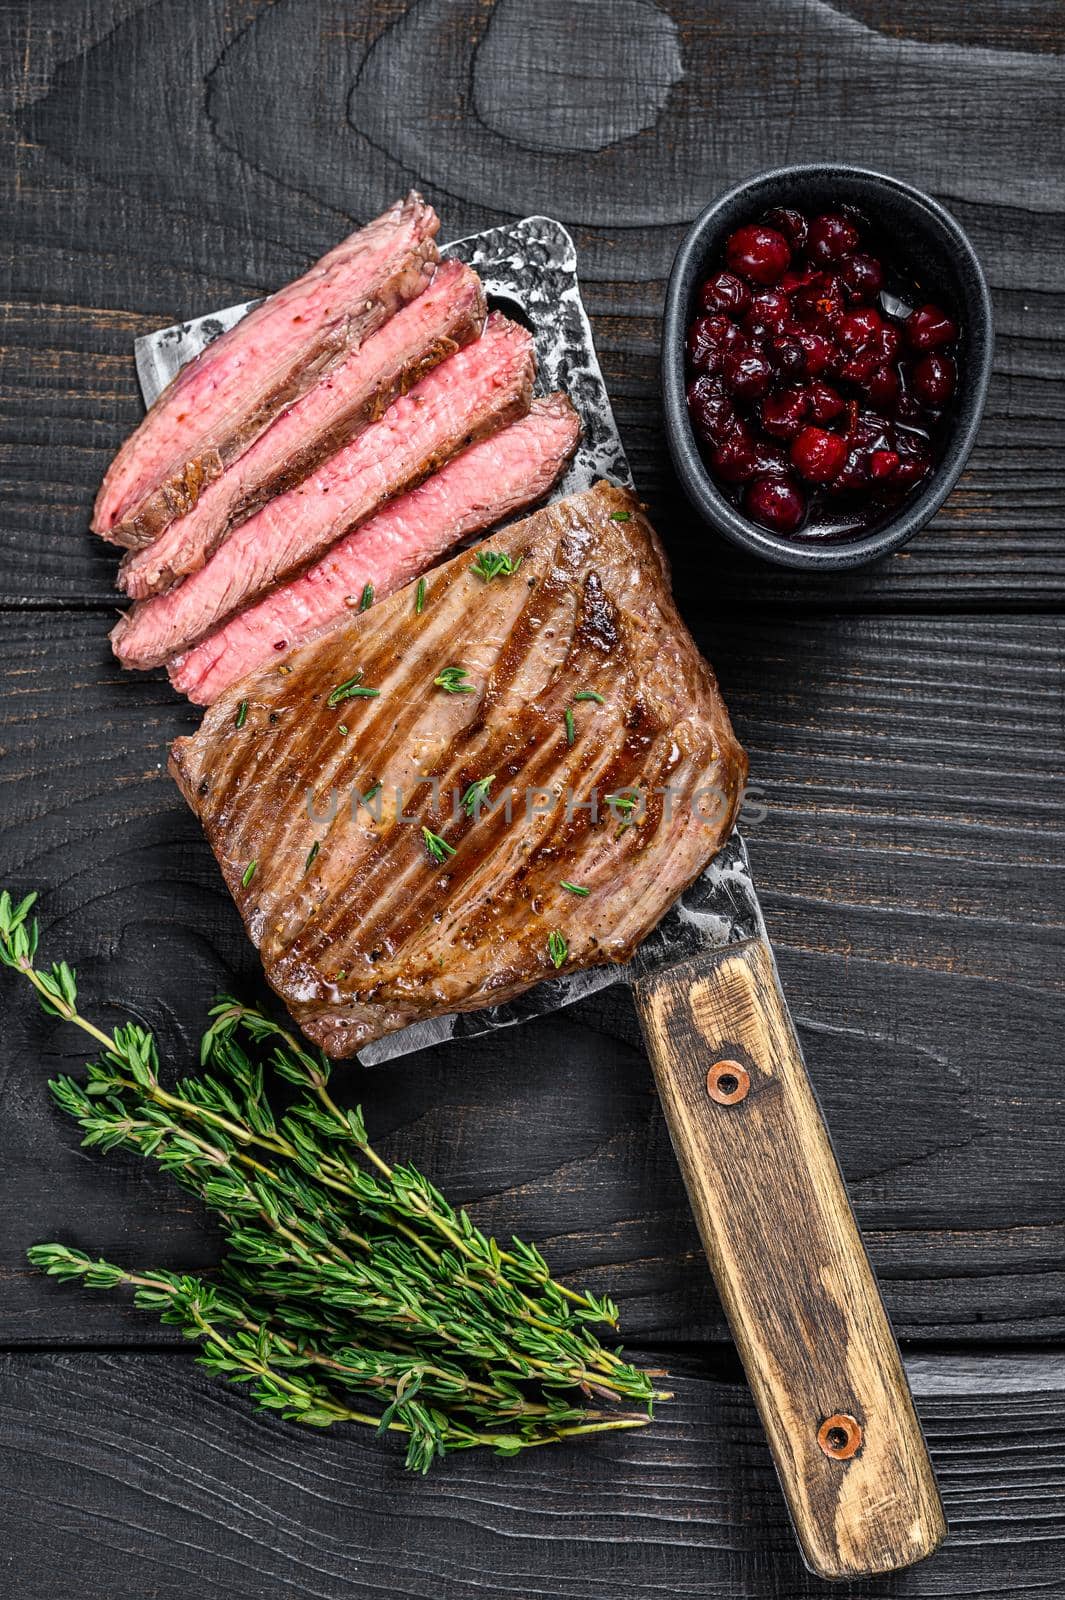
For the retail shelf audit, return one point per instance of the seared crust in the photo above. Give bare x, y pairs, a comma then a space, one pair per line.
366, 933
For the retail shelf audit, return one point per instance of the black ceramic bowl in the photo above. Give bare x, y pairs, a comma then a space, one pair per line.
928, 245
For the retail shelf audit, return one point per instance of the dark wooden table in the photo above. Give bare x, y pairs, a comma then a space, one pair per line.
905, 727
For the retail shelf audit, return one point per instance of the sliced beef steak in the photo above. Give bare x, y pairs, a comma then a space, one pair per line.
366, 921
220, 403
469, 396
448, 315
486, 483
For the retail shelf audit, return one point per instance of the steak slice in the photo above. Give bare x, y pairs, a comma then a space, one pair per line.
489, 481
221, 402
470, 395
360, 929
448, 315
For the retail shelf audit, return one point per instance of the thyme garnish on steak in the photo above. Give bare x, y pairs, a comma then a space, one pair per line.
494, 564
351, 1291
477, 794
438, 849
557, 947
452, 681
352, 688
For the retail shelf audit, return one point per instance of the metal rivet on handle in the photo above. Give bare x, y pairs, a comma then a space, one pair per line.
728, 1083
840, 1436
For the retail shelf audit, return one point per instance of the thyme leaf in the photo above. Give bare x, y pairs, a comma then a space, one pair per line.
351, 689
494, 564
453, 681
477, 794
438, 849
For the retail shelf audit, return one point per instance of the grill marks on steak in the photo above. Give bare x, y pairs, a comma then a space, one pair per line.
449, 314
469, 396
370, 934
486, 483
220, 403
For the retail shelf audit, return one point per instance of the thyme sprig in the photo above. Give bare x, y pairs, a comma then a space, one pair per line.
344, 1276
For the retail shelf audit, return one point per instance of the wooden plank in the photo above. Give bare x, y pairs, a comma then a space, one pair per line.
118, 219
138, 1476
910, 863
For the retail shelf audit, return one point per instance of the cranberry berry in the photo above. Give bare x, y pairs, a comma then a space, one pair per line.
933, 379
818, 455
709, 341
928, 328
712, 411
820, 353
882, 463
825, 402
863, 276
758, 253
735, 459
858, 328
787, 355
784, 412
768, 313
747, 373
831, 237
776, 503
792, 224
724, 292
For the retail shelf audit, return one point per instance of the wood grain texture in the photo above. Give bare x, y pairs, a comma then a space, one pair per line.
141, 1477
802, 1302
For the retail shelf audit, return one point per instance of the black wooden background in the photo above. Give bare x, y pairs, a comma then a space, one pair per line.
905, 724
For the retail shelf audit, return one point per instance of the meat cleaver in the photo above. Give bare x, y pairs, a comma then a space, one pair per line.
762, 1178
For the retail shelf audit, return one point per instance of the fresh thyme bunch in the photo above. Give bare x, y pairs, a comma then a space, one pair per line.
344, 1277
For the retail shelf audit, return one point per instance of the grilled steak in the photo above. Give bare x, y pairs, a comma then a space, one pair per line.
487, 482
448, 315
221, 402
365, 922
470, 395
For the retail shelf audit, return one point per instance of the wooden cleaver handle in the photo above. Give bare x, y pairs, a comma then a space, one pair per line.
791, 1270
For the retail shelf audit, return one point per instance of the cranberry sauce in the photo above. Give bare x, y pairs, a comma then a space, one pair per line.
818, 375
